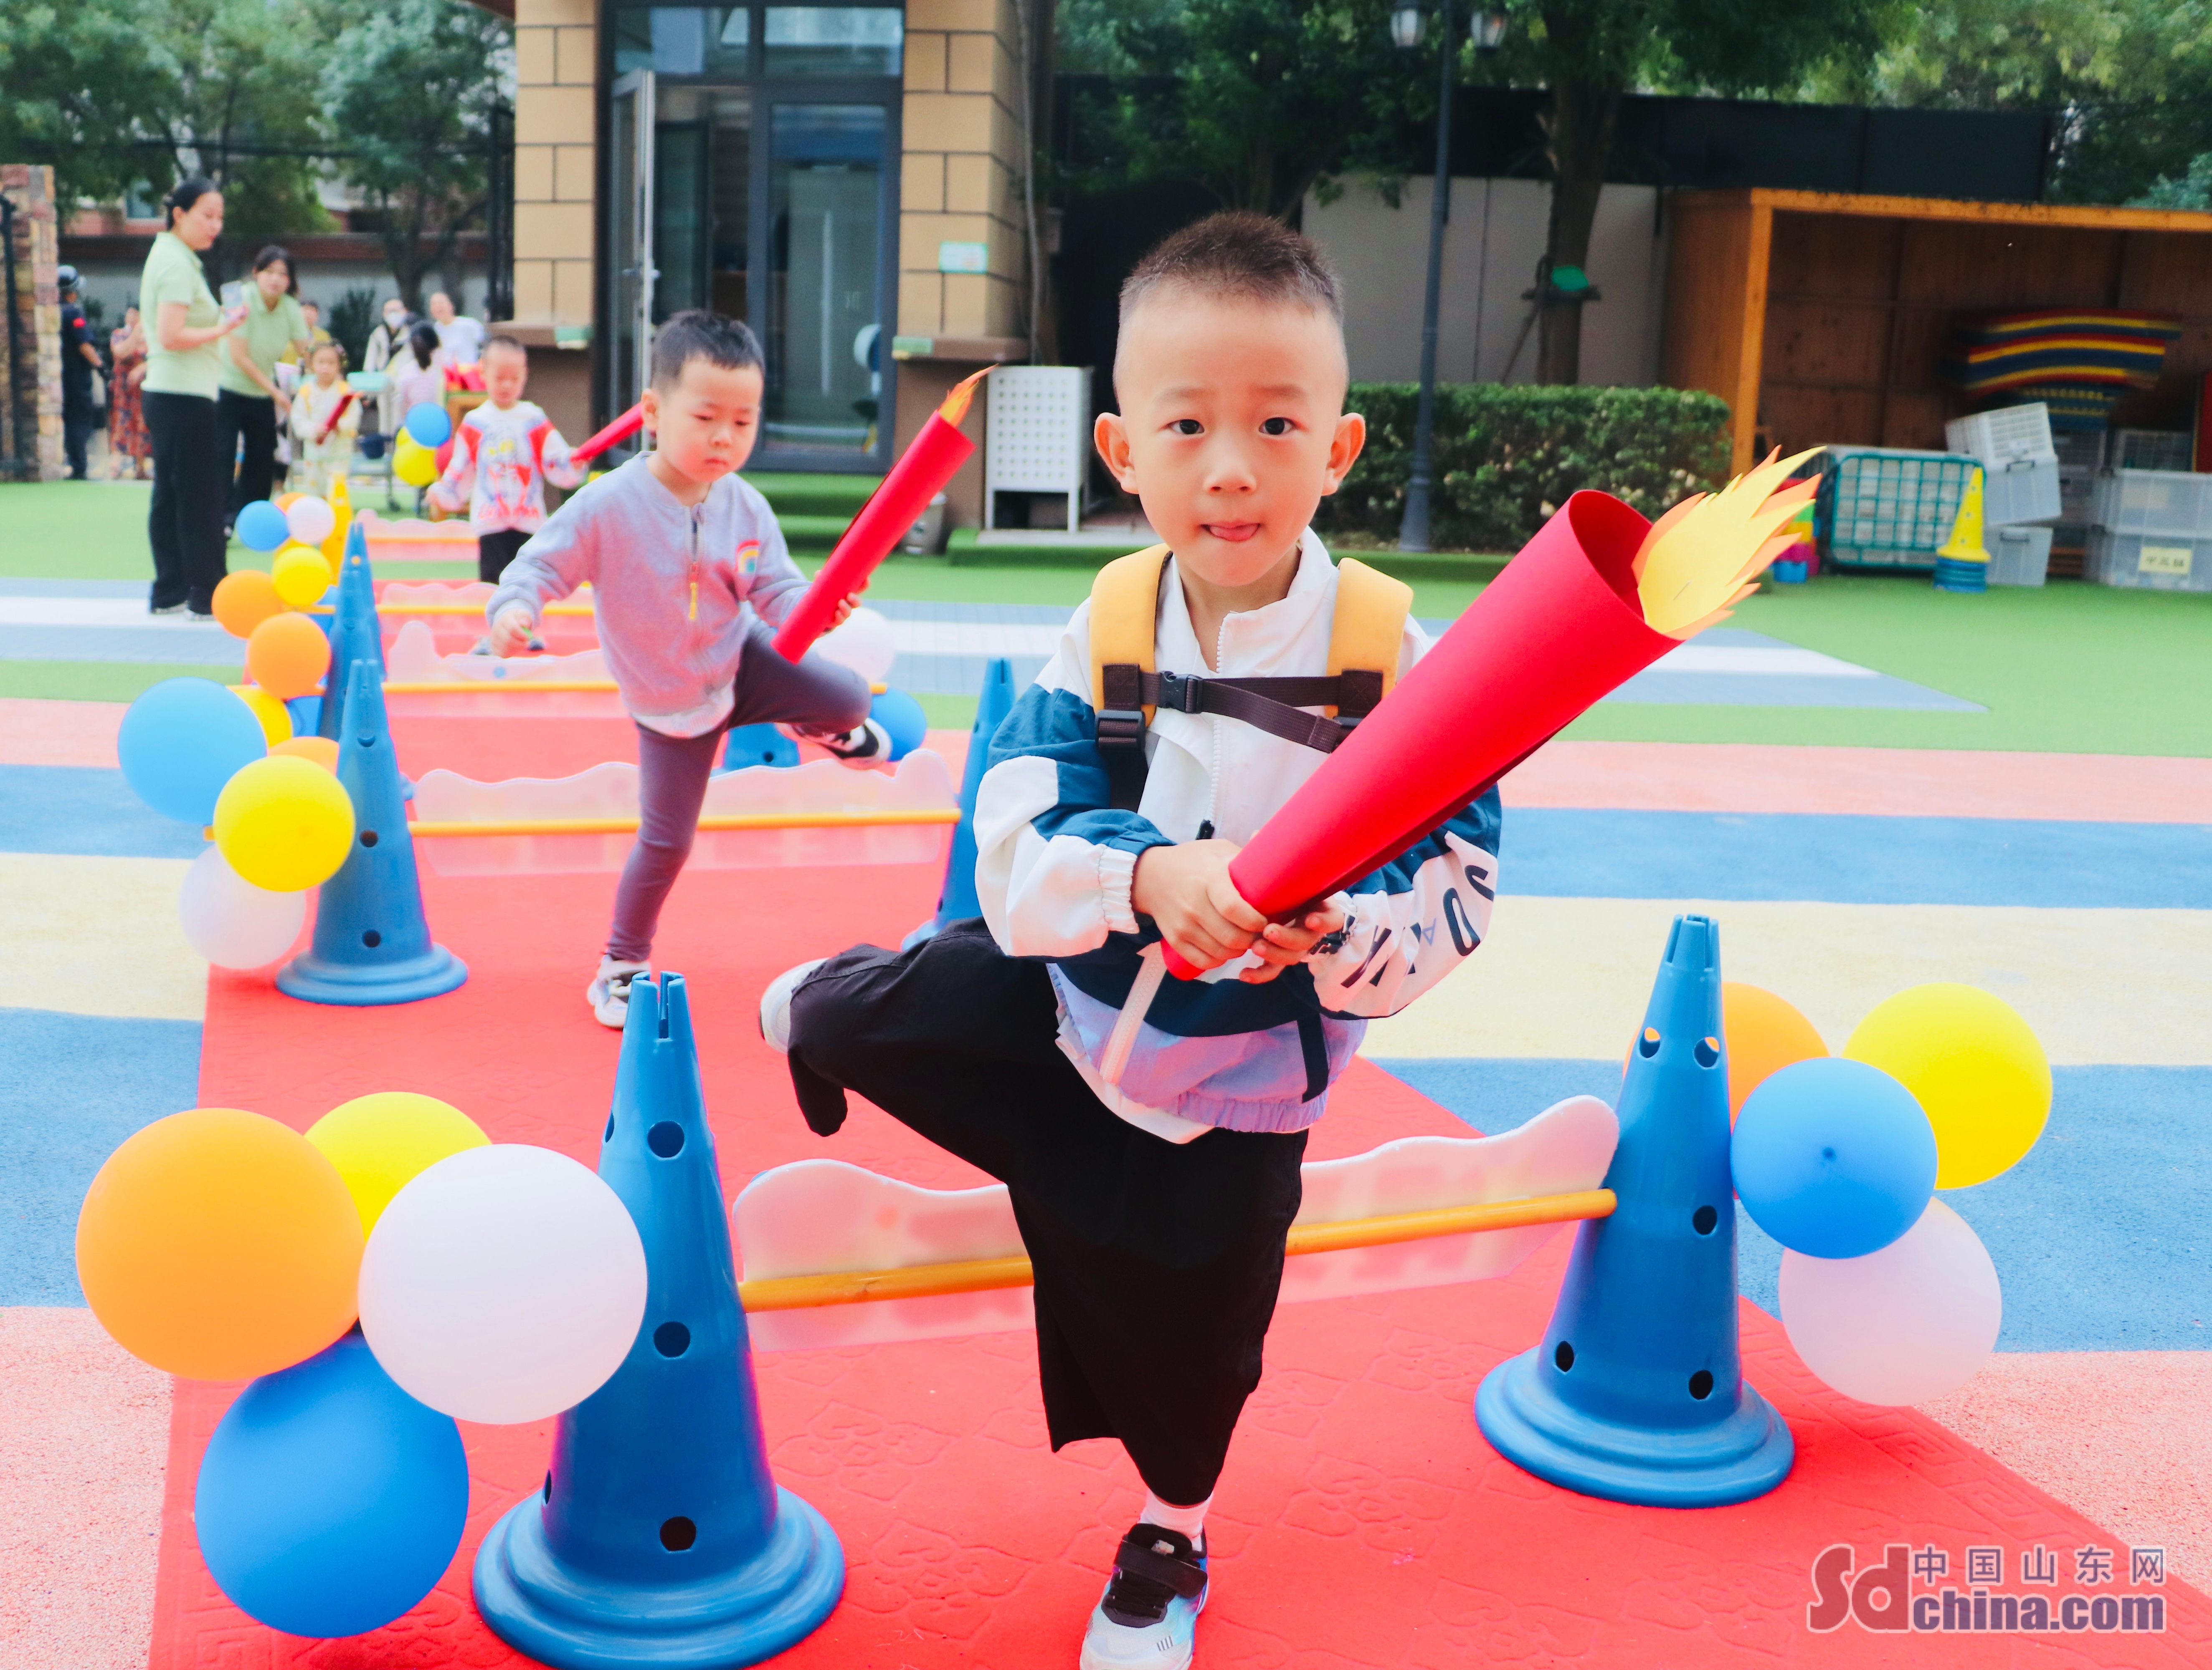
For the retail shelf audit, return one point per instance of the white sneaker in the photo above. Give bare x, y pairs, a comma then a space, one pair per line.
608, 992
865, 744
776, 1005
1147, 1619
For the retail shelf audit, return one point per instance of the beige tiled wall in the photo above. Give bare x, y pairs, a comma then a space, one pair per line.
555, 171
961, 176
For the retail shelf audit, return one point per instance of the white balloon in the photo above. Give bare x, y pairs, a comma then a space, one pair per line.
1900, 1326
311, 520
233, 923
864, 643
504, 1284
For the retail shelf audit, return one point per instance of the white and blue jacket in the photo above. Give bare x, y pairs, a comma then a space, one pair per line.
1055, 860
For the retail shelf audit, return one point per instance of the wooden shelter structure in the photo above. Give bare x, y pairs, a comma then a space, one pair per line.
1820, 317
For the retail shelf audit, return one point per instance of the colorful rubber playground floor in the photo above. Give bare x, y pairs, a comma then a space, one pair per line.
1363, 1521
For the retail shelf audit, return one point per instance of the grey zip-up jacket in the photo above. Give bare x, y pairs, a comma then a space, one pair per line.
671, 586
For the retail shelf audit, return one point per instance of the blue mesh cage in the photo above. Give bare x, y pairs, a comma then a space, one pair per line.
1879, 509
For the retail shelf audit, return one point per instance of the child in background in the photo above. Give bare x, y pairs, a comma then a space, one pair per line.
689, 573
1154, 1209
504, 453
325, 417
418, 371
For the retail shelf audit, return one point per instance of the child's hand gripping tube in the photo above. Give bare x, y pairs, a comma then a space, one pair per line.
1596, 597
891, 510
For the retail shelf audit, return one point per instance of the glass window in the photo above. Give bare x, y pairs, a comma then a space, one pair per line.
684, 40
834, 40
825, 182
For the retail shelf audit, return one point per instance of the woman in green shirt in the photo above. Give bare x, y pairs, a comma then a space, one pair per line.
249, 398
192, 473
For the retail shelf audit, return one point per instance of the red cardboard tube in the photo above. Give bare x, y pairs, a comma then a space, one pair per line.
1559, 628
937, 453
613, 436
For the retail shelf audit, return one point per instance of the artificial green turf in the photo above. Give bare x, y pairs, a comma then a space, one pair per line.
103, 681
84, 530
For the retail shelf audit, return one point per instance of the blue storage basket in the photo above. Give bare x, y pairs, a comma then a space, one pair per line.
1879, 509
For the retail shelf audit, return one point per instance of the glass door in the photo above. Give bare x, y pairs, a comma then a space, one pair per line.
630, 278
827, 211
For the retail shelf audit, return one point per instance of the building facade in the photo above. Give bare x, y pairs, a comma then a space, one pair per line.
846, 178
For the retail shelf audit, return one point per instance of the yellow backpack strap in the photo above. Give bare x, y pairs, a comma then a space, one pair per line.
1125, 609
1367, 635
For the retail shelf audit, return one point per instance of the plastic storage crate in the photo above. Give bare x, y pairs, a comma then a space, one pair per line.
2079, 450
2152, 449
2019, 556
1880, 508
2154, 501
2024, 491
2151, 561
2000, 437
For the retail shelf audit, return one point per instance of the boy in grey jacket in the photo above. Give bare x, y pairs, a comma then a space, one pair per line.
689, 576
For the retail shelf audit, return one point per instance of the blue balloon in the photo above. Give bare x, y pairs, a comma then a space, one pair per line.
427, 422
900, 715
758, 744
262, 527
181, 741
328, 1501
1833, 1157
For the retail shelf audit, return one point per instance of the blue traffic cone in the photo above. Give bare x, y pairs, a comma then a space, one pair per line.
758, 744
1637, 1393
660, 1537
372, 945
355, 635
958, 900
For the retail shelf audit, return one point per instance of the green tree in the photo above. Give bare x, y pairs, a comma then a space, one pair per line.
237, 103
74, 77
1258, 100
409, 88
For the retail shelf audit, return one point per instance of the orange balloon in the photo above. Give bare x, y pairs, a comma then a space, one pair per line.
245, 600
283, 501
1764, 1034
220, 1245
287, 655
321, 749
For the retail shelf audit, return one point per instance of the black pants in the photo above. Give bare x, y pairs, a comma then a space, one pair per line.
1157, 1264
254, 418
192, 484
495, 550
78, 424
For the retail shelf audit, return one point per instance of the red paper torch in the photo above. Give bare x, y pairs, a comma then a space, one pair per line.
613, 436
937, 453
1596, 597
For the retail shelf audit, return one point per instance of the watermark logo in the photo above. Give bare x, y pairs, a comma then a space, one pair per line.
1925, 1590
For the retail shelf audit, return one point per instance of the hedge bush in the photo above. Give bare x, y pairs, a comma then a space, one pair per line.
1507, 456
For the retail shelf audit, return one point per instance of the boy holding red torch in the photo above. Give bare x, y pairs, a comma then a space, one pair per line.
689, 576
1155, 1206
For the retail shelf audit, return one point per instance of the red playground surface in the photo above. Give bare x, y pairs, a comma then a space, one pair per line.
1362, 1521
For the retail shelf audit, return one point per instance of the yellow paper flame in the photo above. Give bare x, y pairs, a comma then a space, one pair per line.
1701, 558
954, 407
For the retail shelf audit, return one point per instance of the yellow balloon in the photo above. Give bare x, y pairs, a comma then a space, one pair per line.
379, 1143
276, 717
302, 574
417, 469
1973, 1064
284, 823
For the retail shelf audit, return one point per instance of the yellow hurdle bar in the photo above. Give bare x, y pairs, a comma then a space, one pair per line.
422, 829
452, 609
925, 1281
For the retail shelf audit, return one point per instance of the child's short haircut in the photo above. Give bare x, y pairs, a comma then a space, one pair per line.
500, 339
698, 334
1253, 257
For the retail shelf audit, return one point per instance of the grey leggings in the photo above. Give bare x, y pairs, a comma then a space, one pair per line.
816, 695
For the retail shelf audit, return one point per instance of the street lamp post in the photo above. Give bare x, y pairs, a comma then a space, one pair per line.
1488, 28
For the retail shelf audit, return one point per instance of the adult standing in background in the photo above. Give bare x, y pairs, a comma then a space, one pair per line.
184, 374
383, 341
250, 403
126, 416
80, 359
461, 336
